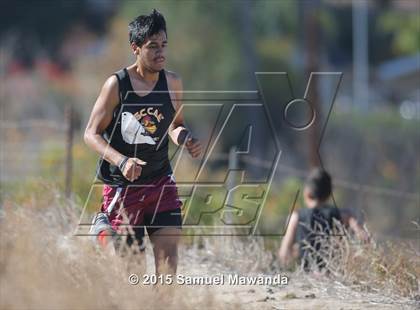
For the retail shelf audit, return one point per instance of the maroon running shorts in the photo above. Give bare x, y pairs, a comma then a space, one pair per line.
155, 205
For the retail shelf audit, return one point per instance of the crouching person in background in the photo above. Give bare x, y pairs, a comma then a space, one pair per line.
311, 229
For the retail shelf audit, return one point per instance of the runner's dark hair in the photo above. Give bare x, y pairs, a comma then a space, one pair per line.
319, 184
145, 26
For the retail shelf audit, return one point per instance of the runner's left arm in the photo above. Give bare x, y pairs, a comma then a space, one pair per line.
358, 229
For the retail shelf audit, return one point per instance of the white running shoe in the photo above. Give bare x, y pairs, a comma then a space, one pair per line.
100, 223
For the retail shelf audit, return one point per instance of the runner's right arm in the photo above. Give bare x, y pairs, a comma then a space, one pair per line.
99, 120
286, 249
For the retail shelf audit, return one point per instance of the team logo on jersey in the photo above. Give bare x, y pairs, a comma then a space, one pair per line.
133, 131
136, 128
149, 124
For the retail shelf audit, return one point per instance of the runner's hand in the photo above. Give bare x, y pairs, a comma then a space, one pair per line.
132, 169
194, 147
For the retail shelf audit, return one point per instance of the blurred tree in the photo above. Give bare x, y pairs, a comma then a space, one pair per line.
38, 27
404, 29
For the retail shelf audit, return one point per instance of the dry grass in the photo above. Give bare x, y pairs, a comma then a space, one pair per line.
44, 266
391, 268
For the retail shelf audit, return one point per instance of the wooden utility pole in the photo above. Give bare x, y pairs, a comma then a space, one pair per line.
312, 46
68, 116
246, 22
360, 54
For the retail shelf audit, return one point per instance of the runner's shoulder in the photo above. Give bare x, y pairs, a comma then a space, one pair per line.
111, 83
173, 78
174, 81
109, 92
110, 87
173, 75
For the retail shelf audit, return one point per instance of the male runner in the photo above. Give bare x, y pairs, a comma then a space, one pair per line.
137, 108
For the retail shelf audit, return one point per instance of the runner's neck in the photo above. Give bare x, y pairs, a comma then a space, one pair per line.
144, 74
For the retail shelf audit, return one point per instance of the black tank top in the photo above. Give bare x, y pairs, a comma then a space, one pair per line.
315, 224
139, 129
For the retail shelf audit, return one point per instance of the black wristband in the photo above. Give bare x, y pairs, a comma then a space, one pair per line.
121, 165
183, 136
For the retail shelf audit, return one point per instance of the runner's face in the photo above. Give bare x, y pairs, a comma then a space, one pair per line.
152, 54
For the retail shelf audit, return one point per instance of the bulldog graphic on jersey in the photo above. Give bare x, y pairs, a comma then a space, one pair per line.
137, 128
133, 131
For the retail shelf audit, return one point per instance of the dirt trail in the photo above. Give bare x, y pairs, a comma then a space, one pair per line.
301, 292
44, 266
